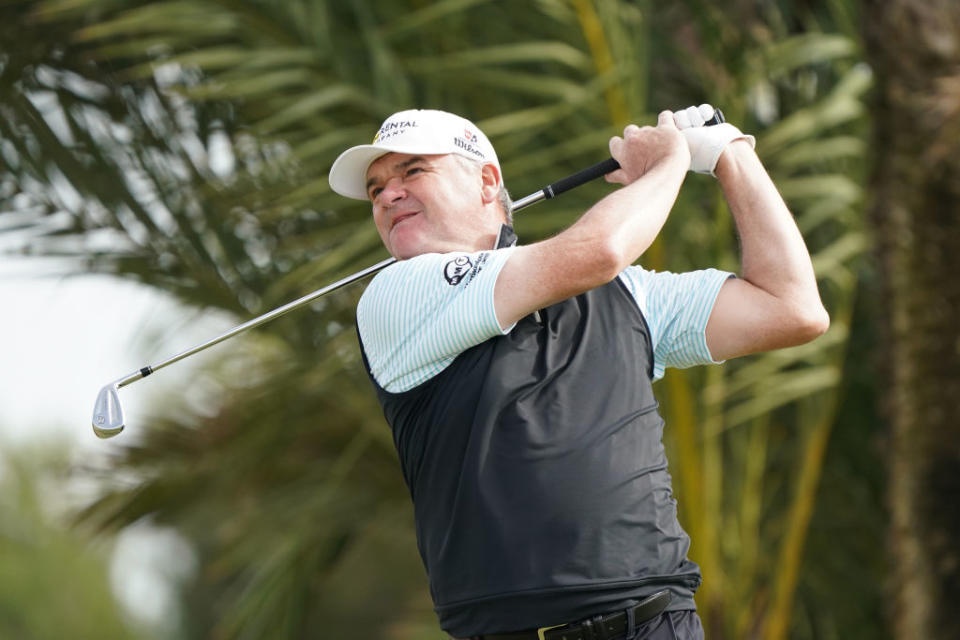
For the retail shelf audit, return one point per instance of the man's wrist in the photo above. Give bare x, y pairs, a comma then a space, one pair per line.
732, 158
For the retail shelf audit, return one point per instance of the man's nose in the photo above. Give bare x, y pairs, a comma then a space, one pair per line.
393, 190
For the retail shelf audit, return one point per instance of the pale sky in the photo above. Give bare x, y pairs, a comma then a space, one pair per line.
64, 338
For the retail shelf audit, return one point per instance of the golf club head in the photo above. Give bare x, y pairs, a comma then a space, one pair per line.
107, 413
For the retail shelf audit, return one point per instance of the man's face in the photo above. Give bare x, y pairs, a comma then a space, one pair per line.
427, 204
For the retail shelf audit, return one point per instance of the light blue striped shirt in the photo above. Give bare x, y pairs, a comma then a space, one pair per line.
417, 315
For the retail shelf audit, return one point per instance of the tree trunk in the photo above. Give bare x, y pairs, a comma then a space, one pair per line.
914, 48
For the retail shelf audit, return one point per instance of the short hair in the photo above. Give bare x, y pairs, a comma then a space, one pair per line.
503, 197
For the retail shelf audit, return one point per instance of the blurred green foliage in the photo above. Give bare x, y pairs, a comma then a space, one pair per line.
53, 580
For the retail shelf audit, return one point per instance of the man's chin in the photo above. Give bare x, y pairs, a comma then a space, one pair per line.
407, 250
405, 245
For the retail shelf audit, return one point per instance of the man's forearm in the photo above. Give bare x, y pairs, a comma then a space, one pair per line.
628, 220
774, 255
603, 242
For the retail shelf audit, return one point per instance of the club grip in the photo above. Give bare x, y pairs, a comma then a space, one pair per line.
602, 168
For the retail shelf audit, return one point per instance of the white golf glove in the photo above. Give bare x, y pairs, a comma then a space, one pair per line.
706, 143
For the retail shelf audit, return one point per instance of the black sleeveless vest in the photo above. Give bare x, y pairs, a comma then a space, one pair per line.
538, 475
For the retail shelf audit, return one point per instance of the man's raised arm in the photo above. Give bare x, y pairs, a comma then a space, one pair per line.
775, 303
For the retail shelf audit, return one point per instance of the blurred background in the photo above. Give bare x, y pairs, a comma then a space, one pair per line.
163, 177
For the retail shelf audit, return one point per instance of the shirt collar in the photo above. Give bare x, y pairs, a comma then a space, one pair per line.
506, 238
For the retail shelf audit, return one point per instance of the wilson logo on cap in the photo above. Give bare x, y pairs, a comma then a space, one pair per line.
469, 148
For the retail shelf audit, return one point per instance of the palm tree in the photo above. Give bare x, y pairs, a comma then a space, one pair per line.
287, 484
917, 194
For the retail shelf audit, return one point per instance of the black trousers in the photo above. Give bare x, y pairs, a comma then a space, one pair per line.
670, 625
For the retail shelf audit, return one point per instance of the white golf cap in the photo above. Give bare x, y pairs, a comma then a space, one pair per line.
416, 131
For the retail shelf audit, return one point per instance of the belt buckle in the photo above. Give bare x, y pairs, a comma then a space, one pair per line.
543, 630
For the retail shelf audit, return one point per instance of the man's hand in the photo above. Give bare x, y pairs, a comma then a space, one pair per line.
706, 143
642, 148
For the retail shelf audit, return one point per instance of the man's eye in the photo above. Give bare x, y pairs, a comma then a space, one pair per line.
413, 170
375, 192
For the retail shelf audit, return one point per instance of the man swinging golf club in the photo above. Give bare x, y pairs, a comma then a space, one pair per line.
517, 379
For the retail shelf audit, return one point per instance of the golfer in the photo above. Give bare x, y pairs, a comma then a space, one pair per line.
517, 379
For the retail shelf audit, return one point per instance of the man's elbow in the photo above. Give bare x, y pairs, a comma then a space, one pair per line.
607, 259
809, 323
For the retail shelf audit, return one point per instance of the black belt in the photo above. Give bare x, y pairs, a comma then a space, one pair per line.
596, 628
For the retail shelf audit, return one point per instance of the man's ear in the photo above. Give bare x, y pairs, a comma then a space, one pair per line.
490, 183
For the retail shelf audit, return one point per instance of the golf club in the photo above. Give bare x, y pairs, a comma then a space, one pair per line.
107, 412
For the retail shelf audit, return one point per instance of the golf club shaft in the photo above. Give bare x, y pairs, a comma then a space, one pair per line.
549, 191
256, 322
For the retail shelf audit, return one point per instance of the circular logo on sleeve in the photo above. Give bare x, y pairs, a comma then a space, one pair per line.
456, 269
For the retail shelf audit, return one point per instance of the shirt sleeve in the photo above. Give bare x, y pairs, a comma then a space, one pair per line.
417, 315
676, 307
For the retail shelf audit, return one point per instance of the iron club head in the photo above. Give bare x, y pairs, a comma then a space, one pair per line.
107, 413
